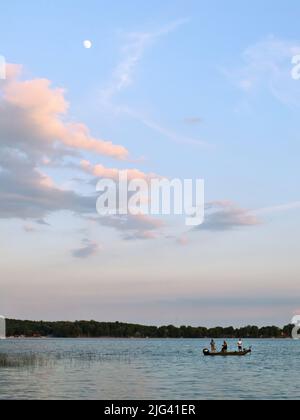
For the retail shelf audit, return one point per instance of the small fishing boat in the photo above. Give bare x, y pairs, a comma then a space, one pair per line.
206, 352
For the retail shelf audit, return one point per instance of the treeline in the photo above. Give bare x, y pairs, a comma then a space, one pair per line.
93, 329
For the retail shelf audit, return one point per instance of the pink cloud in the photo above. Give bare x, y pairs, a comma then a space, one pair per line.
46, 109
101, 171
13, 71
40, 139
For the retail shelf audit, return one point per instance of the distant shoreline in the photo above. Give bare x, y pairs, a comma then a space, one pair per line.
140, 339
115, 330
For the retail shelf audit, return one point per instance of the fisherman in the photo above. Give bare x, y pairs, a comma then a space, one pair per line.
213, 346
240, 345
225, 347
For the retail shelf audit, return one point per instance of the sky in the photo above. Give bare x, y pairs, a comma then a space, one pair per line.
183, 89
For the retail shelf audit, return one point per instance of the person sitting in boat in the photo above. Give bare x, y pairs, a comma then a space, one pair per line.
240, 345
225, 347
213, 346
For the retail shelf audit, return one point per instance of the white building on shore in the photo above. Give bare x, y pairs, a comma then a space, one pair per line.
2, 328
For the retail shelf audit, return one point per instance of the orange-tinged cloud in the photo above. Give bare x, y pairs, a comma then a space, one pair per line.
46, 109
113, 173
13, 71
36, 136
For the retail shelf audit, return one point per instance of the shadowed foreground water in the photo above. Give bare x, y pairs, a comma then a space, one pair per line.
146, 369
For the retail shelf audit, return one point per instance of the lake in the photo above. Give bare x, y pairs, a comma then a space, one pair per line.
146, 369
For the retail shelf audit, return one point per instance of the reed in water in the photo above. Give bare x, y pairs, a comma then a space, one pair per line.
20, 360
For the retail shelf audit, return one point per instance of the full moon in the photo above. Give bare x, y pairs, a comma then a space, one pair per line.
87, 44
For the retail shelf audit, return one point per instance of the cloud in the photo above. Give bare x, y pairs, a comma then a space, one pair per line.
42, 138
159, 128
143, 236
183, 240
13, 71
88, 249
26, 194
123, 76
35, 136
278, 209
225, 216
267, 65
133, 227
169, 134
29, 229
132, 53
43, 111
193, 120
42, 222
101, 171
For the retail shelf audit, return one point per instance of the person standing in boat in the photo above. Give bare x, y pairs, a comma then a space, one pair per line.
240, 345
225, 347
213, 346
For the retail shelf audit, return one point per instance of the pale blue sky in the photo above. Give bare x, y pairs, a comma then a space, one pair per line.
207, 93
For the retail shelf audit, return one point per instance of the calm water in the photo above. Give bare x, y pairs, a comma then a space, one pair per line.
147, 369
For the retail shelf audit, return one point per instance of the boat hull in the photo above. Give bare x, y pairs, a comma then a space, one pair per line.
227, 354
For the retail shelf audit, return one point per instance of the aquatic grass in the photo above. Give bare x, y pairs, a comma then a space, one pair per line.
67, 359
20, 360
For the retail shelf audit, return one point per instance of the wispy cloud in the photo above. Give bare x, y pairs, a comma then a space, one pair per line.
132, 53
42, 222
164, 131
278, 209
123, 76
267, 66
29, 229
193, 120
